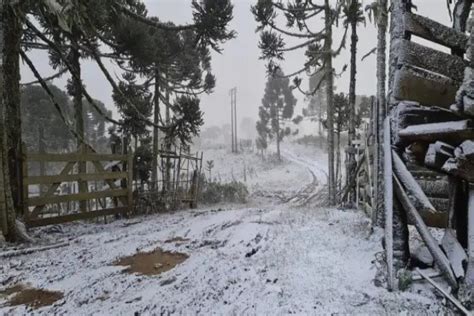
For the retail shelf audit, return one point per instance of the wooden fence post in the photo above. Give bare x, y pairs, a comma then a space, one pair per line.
24, 183
388, 197
130, 181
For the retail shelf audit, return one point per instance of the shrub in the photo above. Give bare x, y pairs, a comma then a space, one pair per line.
215, 192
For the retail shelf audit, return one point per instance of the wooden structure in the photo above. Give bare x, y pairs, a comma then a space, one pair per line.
53, 206
363, 151
428, 148
178, 182
181, 172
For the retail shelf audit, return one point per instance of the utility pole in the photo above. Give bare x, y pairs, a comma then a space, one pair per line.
233, 115
232, 118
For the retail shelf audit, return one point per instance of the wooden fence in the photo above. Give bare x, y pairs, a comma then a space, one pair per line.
110, 199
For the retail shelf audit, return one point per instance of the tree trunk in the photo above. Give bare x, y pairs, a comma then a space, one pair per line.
351, 163
79, 117
320, 126
12, 104
278, 136
329, 96
232, 120
10, 33
154, 172
338, 158
169, 141
381, 105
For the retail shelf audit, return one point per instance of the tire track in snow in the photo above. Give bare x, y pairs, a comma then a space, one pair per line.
311, 163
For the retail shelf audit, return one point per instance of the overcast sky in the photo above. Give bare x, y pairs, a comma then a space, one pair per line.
239, 64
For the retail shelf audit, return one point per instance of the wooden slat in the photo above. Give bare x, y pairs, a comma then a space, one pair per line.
75, 157
451, 132
100, 168
427, 58
76, 197
432, 244
52, 189
435, 32
74, 217
76, 177
424, 87
437, 220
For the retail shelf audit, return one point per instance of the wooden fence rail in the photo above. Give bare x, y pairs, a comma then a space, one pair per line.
121, 195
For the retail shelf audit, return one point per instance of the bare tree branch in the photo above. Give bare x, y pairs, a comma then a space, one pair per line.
71, 70
52, 77
372, 51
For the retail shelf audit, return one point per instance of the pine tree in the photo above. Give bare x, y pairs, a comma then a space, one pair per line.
319, 46
278, 106
132, 127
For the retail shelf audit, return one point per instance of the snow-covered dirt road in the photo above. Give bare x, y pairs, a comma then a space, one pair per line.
264, 258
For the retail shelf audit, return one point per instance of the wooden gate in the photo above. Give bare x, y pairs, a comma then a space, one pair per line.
181, 177
56, 200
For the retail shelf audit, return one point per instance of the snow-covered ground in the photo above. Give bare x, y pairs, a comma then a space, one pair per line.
263, 258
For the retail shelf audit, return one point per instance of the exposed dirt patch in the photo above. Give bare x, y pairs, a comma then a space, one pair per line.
11, 290
178, 240
152, 263
34, 298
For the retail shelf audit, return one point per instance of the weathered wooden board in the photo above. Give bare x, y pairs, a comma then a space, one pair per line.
438, 255
74, 217
455, 252
469, 280
412, 186
435, 32
435, 188
75, 157
425, 87
433, 60
76, 197
76, 177
453, 133
462, 165
51, 190
438, 153
388, 202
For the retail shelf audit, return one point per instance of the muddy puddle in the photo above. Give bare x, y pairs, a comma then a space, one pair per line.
34, 298
152, 263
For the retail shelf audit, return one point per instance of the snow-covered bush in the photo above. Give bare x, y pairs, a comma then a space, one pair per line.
215, 192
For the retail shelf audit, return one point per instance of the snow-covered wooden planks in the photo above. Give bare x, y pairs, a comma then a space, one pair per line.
452, 132
455, 252
434, 31
413, 188
432, 60
438, 255
427, 88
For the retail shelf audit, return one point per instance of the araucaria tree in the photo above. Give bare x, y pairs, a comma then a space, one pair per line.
73, 29
300, 18
278, 106
353, 16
